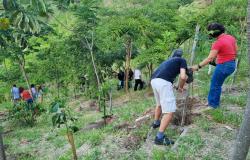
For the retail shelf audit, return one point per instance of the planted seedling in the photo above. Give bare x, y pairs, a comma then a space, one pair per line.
62, 117
105, 94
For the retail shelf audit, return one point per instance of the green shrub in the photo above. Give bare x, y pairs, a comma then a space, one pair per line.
25, 113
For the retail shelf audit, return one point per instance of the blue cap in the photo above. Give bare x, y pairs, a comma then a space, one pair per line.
177, 53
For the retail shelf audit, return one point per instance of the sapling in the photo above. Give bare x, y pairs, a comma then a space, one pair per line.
104, 94
62, 116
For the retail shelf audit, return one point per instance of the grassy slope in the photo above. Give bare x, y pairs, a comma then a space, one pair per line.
207, 137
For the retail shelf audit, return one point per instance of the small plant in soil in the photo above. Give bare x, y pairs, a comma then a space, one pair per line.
25, 113
62, 117
105, 94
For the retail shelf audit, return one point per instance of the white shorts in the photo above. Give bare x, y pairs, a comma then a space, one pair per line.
164, 95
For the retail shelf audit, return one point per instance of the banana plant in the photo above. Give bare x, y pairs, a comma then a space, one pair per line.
61, 116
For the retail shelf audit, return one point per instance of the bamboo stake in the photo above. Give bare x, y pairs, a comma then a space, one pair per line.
197, 29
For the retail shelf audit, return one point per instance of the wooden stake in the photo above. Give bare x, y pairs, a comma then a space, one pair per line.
191, 63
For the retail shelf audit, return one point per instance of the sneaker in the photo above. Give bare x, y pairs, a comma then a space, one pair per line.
163, 141
155, 125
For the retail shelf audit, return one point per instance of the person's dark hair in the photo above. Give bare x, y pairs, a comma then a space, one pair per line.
21, 89
32, 85
177, 53
40, 87
14, 85
215, 29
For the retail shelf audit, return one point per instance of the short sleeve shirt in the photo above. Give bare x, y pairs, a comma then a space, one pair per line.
137, 74
15, 93
226, 47
169, 69
26, 95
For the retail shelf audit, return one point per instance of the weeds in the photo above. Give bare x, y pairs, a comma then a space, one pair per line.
203, 123
221, 116
240, 100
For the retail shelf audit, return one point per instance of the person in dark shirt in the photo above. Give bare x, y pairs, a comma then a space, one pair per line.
121, 77
130, 77
162, 85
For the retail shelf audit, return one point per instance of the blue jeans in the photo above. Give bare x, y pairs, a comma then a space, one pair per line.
222, 71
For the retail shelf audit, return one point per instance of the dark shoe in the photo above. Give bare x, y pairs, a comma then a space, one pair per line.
155, 125
163, 141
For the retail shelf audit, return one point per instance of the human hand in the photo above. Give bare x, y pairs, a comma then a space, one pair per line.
175, 87
195, 68
181, 90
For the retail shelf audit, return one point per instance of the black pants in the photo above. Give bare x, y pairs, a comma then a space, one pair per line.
138, 81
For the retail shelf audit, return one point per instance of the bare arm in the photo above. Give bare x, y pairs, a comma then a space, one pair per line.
182, 78
212, 55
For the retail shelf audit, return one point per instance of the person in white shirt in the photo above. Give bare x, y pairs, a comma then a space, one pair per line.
33, 91
15, 95
138, 81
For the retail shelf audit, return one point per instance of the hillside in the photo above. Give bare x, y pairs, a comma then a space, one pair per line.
72, 51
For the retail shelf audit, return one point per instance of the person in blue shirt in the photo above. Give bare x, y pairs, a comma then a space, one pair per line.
15, 95
162, 85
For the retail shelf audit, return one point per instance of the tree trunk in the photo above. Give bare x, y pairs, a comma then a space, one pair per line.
241, 146
72, 143
196, 38
22, 68
90, 47
150, 72
94, 65
2, 153
242, 143
75, 92
128, 46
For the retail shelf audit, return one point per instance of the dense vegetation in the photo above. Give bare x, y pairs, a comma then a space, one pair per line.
76, 48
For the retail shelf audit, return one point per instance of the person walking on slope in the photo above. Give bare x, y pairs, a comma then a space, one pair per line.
15, 95
138, 81
33, 91
26, 96
162, 85
121, 77
224, 50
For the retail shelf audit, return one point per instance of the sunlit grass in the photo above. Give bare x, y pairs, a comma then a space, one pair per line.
222, 116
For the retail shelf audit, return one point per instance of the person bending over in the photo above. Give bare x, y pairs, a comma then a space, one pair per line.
162, 85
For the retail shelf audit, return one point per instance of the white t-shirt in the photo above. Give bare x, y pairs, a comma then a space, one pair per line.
137, 74
33, 90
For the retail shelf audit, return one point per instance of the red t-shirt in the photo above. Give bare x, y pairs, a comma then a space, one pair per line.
226, 47
26, 95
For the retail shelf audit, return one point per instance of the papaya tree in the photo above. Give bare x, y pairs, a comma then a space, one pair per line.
61, 116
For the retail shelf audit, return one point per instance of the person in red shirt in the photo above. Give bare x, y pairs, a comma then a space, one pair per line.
224, 50
25, 94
